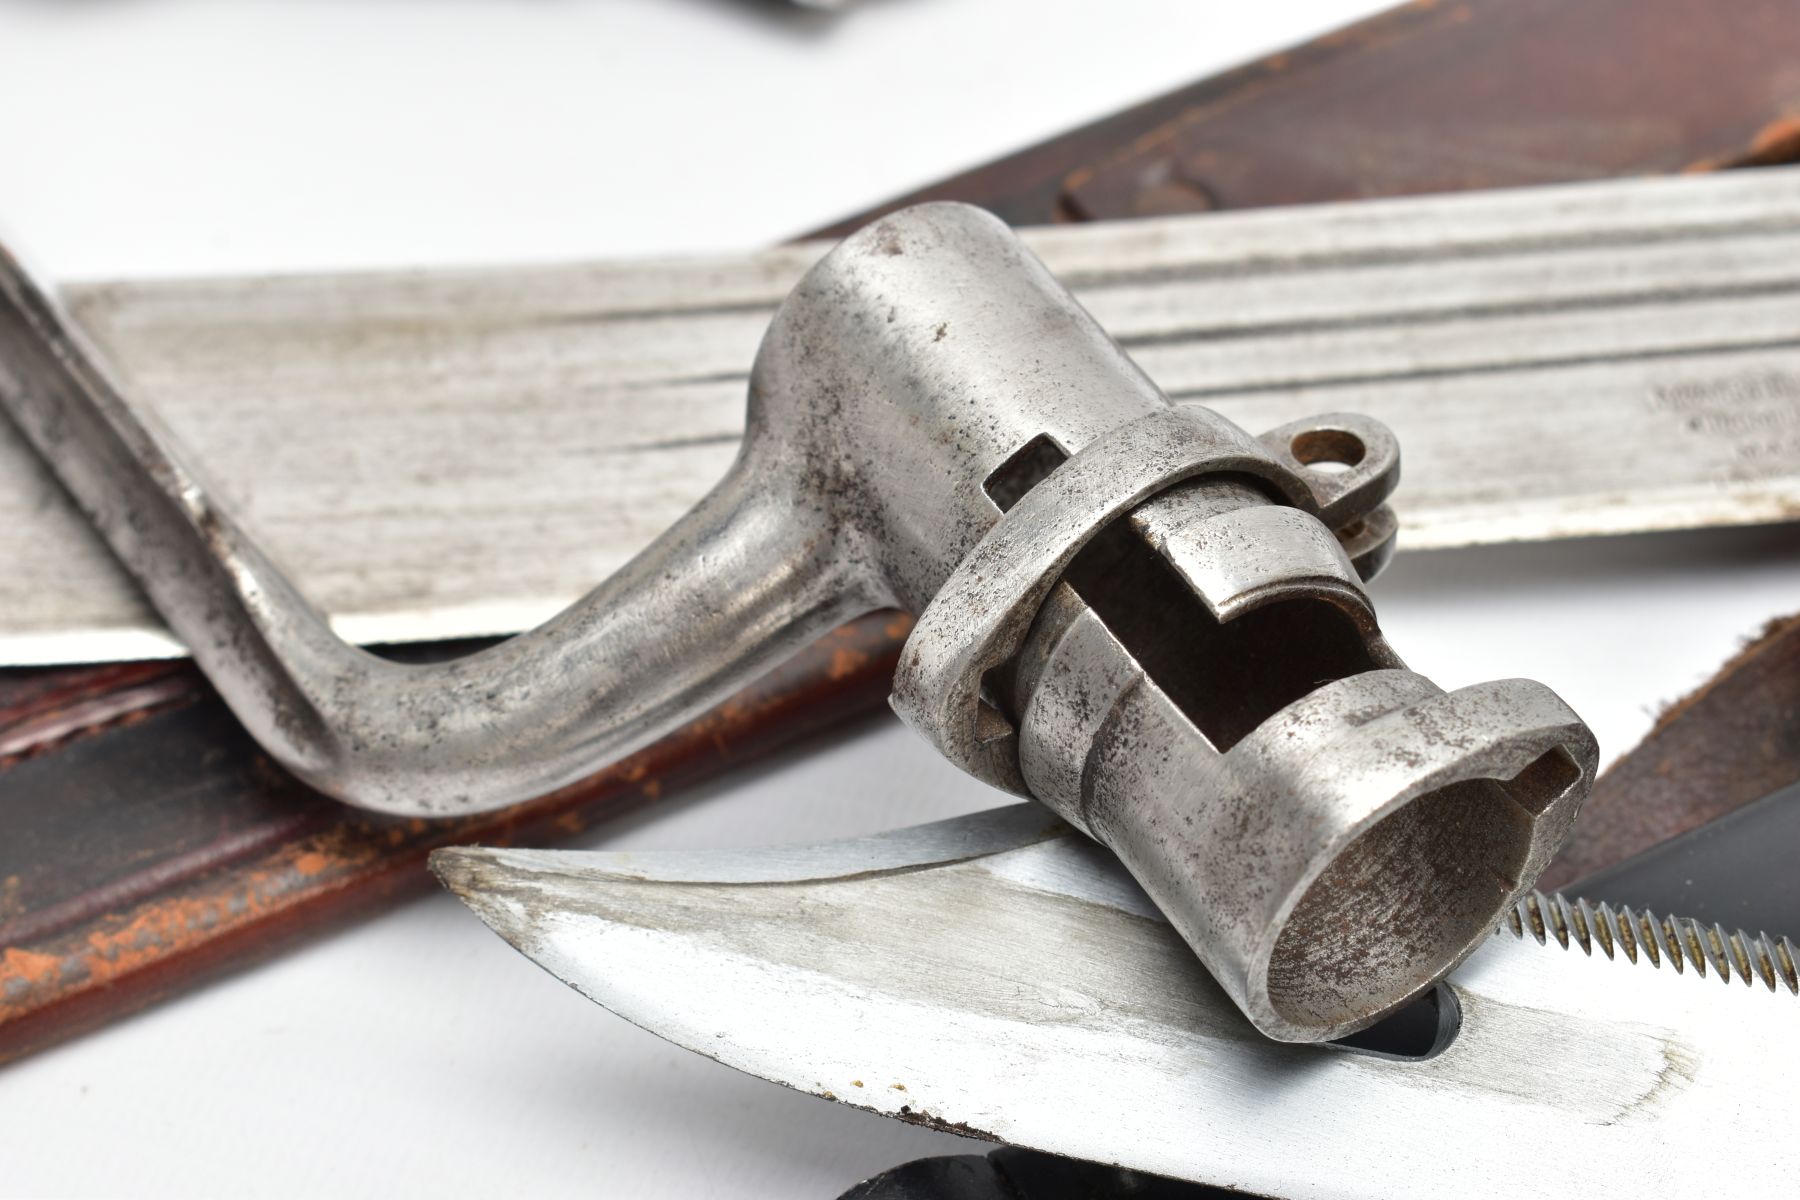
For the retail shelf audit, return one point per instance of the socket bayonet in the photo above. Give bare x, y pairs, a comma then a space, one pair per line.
1133, 611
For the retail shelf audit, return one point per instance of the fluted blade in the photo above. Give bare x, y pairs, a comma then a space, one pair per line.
1596, 358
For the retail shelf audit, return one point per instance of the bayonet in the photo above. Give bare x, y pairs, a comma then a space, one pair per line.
1000, 976
1132, 610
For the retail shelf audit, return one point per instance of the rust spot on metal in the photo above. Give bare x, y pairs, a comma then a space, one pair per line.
99, 956
960, 1128
887, 240
311, 863
845, 662
34, 969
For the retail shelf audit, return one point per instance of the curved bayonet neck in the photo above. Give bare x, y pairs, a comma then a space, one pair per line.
751, 575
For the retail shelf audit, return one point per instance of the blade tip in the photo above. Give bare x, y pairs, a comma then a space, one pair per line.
481, 878
463, 869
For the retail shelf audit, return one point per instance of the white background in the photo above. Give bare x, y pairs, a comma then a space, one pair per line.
416, 1052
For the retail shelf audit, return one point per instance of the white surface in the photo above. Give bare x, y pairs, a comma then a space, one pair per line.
190, 137
417, 1053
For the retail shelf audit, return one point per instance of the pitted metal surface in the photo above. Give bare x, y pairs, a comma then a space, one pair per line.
978, 617
1142, 615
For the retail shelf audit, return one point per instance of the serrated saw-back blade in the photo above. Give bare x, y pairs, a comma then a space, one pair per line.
998, 975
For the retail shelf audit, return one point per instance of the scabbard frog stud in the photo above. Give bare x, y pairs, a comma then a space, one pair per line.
1134, 611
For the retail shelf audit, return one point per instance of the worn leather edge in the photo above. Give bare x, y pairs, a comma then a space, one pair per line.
1449, 72
1731, 741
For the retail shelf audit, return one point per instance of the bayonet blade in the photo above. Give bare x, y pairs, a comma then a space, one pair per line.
1000, 976
464, 453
